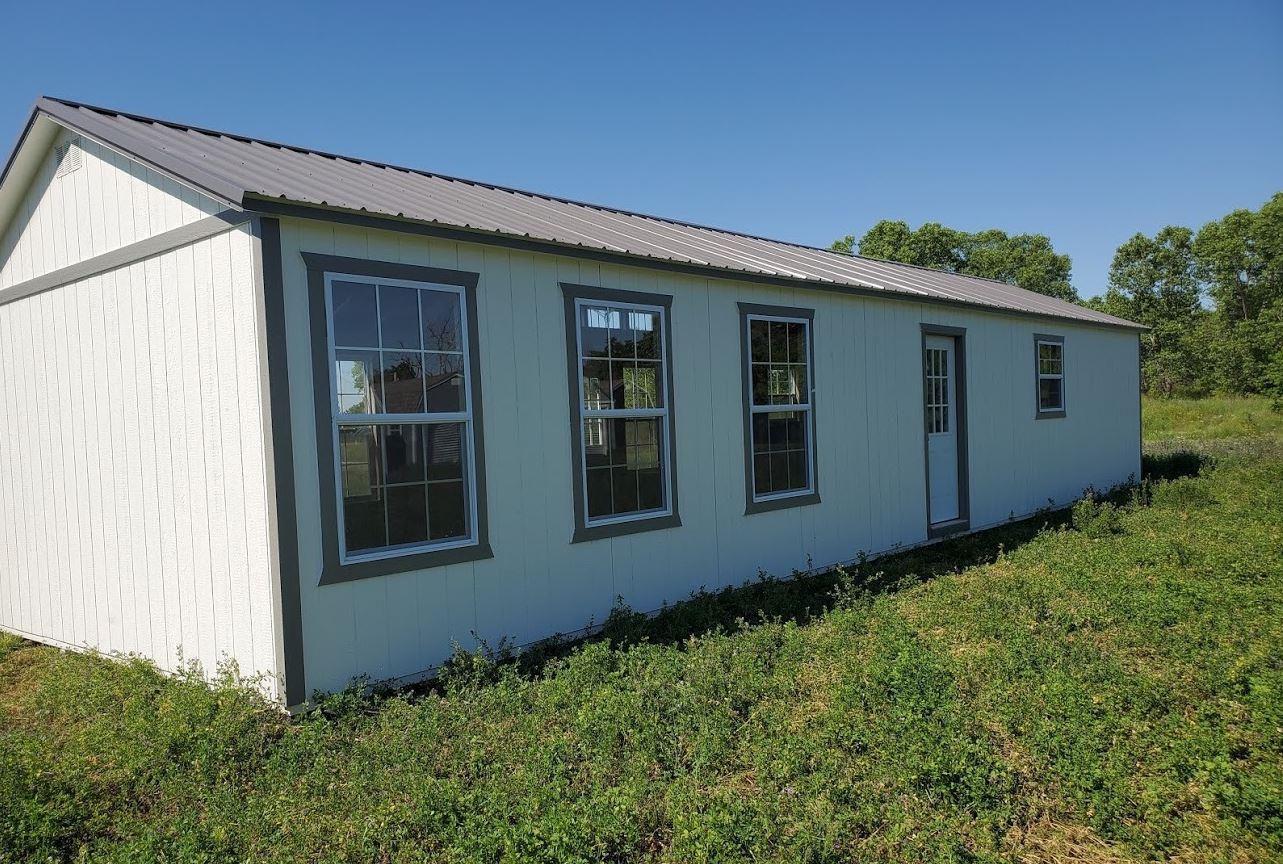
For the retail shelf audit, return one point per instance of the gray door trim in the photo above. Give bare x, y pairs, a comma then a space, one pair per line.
963, 522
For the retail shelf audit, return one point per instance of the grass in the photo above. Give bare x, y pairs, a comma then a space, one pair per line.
1103, 684
1209, 419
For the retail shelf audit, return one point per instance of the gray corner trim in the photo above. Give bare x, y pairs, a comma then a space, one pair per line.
703, 271
1140, 408
783, 502
584, 532
136, 147
1040, 414
281, 452
333, 571
963, 521
166, 241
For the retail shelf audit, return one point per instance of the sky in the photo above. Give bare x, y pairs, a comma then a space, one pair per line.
1084, 121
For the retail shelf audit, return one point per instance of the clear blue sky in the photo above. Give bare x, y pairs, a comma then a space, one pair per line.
1085, 121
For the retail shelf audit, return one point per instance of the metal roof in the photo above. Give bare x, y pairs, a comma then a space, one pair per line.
243, 171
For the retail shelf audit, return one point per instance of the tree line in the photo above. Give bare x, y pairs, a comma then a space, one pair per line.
1212, 298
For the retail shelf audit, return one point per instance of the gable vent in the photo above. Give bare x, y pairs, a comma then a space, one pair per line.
67, 157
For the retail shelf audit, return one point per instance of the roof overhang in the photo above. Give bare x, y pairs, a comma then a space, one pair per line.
388, 222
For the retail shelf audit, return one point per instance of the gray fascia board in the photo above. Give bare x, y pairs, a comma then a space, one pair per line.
404, 225
184, 172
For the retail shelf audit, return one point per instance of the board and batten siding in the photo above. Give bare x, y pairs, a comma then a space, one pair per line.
869, 434
110, 202
133, 476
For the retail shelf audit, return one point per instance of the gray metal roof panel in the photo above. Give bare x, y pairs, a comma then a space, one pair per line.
238, 168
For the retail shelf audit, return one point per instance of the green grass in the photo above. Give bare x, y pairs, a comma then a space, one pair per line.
1105, 684
1209, 419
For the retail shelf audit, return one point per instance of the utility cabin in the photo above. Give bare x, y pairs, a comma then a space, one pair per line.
324, 417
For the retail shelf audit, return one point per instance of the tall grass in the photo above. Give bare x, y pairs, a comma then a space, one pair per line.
1209, 419
1105, 684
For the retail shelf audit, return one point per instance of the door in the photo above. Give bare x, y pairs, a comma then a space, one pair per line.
940, 368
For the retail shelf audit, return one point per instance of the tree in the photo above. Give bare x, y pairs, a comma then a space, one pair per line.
1027, 260
1153, 281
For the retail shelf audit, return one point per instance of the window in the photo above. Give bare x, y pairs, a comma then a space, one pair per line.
398, 416
937, 363
1050, 368
779, 411
621, 382
402, 422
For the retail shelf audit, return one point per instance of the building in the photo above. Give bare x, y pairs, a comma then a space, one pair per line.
325, 417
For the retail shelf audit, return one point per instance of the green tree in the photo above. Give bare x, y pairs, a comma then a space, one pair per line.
1153, 281
1027, 260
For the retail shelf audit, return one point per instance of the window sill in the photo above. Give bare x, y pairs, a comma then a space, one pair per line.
783, 503
585, 534
334, 575
1050, 415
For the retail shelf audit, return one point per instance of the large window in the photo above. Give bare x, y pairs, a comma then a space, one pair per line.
623, 416
1050, 360
402, 418
779, 406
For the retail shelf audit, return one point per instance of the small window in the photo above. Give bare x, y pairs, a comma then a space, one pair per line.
1050, 368
623, 428
937, 363
402, 417
779, 421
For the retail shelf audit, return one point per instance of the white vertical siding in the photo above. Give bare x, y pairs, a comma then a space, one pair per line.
132, 463
109, 202
869, 438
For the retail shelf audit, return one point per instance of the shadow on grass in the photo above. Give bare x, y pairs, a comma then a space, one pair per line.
803, 596
1173, 464
800, 597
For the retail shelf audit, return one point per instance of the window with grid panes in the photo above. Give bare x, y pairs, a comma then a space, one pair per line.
623, 407
780, 386
402, 419
1051, 375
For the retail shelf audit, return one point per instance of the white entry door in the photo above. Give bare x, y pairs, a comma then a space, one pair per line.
940, 369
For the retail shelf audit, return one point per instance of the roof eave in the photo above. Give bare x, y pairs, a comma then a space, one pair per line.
223, 190
277, 206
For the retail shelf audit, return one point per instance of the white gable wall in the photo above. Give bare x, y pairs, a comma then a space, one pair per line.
133, 476
110, 202
869, 438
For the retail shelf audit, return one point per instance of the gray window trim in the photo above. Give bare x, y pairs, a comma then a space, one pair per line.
1057, 413
963, 522
783, 502
584, 532
333, 571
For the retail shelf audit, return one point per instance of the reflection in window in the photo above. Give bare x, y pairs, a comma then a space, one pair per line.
623, 409
402, 415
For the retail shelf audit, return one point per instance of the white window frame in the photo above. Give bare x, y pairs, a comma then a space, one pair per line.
339, 418
1049, 376
663, 413
753, 409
